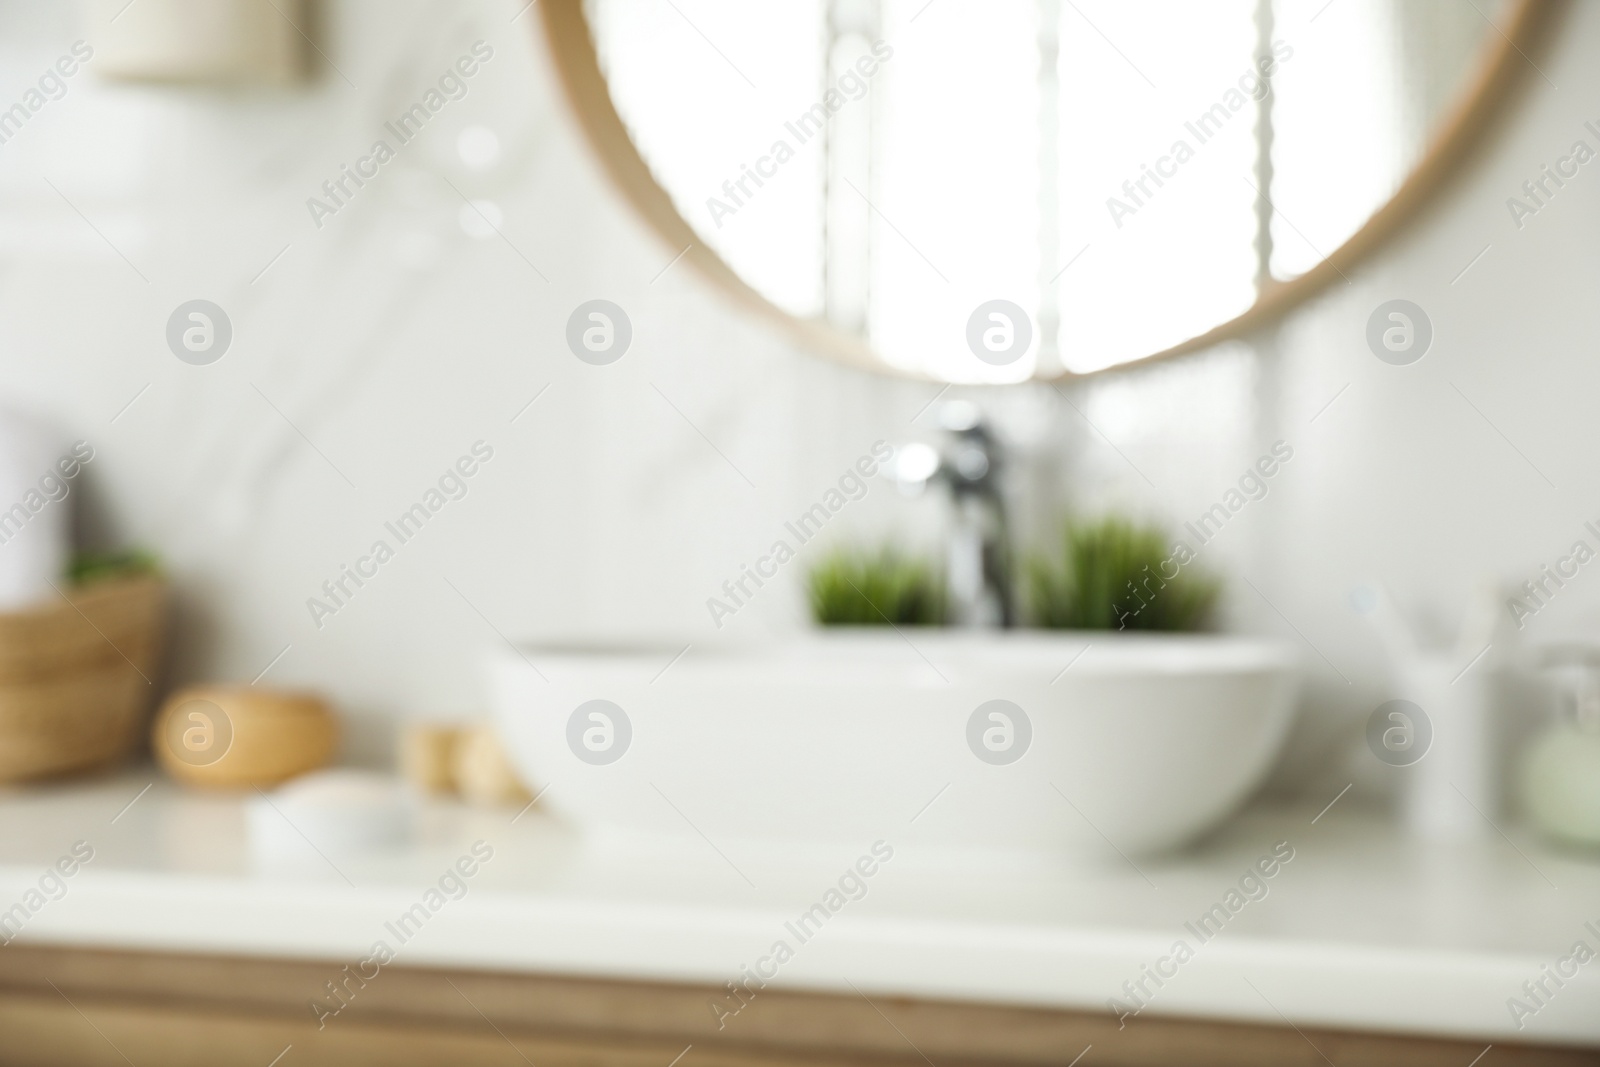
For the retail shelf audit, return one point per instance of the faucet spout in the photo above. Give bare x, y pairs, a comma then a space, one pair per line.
978, 558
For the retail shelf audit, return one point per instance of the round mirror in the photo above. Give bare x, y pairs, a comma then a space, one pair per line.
1033, 188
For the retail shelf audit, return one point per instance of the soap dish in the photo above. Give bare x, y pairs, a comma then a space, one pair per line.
338, 811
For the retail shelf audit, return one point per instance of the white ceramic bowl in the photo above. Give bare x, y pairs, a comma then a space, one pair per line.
1138, 742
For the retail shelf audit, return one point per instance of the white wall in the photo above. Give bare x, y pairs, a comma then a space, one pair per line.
392, 341
1400, 480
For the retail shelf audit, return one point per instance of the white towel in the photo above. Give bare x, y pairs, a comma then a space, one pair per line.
35, 511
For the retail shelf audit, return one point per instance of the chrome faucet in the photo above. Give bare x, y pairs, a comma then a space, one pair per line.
978, 562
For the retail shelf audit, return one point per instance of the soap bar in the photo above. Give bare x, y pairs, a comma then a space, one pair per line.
483, 771
469, 759
428, 756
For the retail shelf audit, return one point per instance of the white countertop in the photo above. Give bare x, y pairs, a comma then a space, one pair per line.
1362, 929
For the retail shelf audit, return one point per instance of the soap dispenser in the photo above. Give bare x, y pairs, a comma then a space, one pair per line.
1560, 770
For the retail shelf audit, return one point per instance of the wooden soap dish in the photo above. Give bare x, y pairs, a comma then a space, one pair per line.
238, 736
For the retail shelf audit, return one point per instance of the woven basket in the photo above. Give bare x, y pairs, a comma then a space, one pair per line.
77, 677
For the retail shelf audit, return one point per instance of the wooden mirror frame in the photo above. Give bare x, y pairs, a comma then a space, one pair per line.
1463, 134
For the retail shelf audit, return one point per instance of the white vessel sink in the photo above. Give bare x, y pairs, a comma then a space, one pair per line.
1138, 742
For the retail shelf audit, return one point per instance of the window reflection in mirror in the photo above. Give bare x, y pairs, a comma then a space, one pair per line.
1130, 175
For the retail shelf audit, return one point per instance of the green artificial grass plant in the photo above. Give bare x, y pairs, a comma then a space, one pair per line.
122, 563
1114, 574
854, 587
